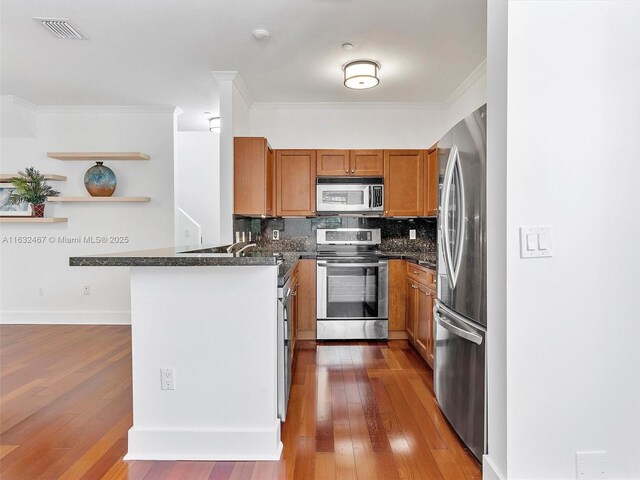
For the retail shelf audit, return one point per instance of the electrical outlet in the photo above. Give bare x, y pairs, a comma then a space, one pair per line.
591, 465
167, 378
412, 234
86, 290
276, 234
40, 291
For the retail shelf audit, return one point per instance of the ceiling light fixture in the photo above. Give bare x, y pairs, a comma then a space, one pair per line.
261, 34
361, 74
214, 124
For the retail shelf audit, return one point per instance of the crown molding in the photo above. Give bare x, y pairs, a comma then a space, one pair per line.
467, 83
347, 106
21, 102
106, 109
236, 78
90, 108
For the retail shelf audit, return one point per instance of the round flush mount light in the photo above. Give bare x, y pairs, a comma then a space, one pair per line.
214, 124
261, 34
361, 74
347, 46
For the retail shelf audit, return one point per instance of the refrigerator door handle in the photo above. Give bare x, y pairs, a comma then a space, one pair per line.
461, 216
444, 211
456, 330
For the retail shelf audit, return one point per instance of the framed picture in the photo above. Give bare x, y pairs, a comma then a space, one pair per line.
9, 210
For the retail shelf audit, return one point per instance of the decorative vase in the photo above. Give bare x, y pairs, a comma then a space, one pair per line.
100, 181
38, 210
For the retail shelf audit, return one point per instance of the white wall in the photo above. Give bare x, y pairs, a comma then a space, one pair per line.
572, 338
366, 125
198, 180
27, 267
495, 462
334, 125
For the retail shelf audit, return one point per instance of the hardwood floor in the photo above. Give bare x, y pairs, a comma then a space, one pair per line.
359, 411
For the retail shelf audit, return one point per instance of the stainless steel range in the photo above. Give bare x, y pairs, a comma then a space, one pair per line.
352, 285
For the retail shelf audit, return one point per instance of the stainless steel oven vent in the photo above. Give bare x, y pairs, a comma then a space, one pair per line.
61, 28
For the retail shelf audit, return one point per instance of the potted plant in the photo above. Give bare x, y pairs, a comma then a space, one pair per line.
32, 188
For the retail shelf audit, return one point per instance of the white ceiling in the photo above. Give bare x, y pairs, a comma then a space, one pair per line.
162, 52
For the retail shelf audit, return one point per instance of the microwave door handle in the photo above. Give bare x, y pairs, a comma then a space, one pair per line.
370, 196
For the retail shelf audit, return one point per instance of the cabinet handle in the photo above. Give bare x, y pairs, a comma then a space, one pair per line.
416, 272
346, 171
413, 286
353, 171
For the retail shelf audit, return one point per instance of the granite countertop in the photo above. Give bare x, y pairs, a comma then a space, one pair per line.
177, 257
216, 256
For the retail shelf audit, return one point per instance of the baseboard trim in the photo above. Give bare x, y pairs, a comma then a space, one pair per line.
490, 471
209, 445
306, 334
66, 318
398, 335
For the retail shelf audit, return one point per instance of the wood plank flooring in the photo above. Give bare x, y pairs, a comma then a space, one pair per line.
360, 411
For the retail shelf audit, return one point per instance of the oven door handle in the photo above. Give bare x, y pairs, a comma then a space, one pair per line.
348, 265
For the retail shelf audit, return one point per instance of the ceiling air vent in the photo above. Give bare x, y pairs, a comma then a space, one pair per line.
61, 28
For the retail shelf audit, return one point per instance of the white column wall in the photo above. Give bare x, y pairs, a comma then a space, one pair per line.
198, 181
573, 114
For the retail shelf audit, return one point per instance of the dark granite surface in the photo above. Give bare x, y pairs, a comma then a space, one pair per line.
213, 256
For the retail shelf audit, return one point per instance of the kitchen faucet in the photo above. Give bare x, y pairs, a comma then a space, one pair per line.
232, 246
245, 247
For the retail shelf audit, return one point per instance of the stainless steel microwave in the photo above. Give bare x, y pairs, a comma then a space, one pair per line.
350, 195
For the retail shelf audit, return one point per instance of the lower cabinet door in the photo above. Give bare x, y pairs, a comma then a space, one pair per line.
424, 334
412, 309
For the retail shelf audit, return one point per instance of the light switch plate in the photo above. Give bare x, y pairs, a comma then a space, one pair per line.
412, 234
535, 242
591, 465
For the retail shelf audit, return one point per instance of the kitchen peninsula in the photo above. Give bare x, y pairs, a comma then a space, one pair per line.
211, 318
213, 323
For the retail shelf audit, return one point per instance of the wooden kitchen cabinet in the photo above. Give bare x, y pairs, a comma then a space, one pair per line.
424, 328
357, 163
332, 163
404, 183
412, 309
431, 183
366, 163
420, 296
295, 183
397, 296
253, 177
305, 271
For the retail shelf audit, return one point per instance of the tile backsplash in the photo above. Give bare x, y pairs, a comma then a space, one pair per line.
299, 234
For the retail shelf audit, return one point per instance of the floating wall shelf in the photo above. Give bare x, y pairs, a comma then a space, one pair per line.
6, 177
98, 156
32, 220
98, 199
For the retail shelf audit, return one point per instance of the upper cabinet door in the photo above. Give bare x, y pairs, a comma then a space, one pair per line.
431, 183
367, 163
296, 182
253, 173
333, 163
404, 183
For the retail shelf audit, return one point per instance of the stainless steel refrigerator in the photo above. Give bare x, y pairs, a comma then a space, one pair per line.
460, 310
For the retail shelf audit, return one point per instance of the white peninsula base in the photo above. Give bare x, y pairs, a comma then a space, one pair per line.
216, 326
